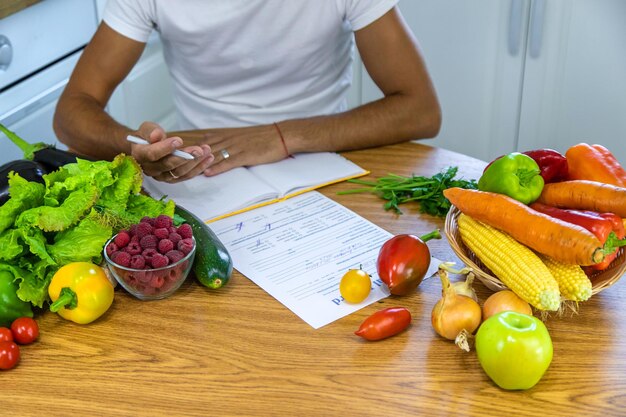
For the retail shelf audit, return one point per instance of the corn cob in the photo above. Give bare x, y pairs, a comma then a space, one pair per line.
573, 282
518, 267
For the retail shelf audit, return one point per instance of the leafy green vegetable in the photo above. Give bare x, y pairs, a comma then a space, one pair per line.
43, 227
427, 191
24, 195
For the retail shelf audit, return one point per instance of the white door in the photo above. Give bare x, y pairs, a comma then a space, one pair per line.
575, 77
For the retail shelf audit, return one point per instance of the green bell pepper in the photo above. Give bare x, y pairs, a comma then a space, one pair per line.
11, 307
516, 175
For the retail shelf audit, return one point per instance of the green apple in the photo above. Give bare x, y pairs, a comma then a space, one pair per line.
514, 349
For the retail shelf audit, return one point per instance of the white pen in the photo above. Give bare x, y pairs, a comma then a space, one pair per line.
139, 141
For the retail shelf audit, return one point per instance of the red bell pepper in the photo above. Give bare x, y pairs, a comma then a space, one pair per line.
553, 165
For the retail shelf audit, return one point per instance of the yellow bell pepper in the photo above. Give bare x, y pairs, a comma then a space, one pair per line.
80, 292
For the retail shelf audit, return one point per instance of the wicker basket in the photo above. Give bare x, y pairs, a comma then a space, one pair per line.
600, 280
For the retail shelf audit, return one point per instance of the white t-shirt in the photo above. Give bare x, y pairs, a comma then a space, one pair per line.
246, 62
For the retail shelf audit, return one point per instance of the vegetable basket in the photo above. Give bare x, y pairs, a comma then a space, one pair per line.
600, 280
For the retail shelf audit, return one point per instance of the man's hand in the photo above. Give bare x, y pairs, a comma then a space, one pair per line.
157, 160
236, 147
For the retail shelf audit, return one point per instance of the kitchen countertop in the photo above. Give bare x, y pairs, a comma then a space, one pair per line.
238, 351
8, 7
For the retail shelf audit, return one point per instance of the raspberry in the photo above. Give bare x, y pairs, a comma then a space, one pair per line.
122, 239
159, 261
111, 247
132, 230
134, 238
148, 254
121, 258
185, 246
157, 281
143, 229
185, 231
175, 238
162, 233
137, 262
163, 221
133, 248
175, 256
165, 245
148, 220
148, 241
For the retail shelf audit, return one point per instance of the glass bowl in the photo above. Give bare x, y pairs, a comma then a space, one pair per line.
151, 284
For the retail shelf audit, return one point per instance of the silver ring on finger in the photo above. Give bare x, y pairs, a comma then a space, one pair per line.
174, 176
225, 154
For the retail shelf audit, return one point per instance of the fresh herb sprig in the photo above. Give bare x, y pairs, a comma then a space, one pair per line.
428, 191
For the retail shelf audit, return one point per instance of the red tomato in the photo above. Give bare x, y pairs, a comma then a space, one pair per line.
25, 330
5, 335
384, 323
9, 355
403, 261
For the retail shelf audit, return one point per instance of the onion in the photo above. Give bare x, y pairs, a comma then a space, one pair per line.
505, 300
455, 316
465, 287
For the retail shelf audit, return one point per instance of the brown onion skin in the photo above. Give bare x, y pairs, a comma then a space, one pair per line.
454, 313
505, 300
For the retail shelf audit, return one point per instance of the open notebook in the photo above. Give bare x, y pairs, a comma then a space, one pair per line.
241, 189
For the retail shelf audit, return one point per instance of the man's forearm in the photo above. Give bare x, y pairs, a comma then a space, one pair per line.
82, 124
393, 119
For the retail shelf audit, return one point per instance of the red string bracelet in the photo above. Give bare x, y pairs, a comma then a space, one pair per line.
282, 139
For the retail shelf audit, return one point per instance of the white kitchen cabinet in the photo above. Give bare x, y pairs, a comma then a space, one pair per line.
523, 74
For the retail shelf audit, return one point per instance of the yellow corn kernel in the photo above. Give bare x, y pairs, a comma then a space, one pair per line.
518, 267
573, 282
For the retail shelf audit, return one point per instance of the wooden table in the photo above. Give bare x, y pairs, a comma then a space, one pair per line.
238, 351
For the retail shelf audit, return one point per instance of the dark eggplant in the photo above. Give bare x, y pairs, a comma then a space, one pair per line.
52, 158
29, 170
47, 155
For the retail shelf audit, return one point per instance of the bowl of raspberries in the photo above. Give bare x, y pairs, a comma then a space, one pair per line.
152, 258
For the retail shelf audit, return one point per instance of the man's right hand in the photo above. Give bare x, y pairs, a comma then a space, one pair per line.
157, 161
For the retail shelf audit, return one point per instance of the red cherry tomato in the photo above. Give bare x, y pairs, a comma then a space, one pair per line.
9, 355
384, 323
403, 261
25, 330
6, 335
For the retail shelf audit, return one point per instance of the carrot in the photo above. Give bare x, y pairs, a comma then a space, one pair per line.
565, 242
585, 195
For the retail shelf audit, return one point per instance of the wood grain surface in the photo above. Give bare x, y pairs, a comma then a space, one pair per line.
238, 351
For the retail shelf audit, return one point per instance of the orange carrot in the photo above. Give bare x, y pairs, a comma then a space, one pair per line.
585, 195
565, 242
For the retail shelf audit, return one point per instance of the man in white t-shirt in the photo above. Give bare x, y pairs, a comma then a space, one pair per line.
254, 81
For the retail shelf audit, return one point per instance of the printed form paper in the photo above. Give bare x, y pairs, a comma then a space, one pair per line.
298, 249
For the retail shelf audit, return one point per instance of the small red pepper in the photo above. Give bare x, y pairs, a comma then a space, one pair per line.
552, 164
594, 163
620, 233
589, 220
602, 225
384, 323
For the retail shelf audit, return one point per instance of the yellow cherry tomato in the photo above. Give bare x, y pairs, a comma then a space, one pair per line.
355, 285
